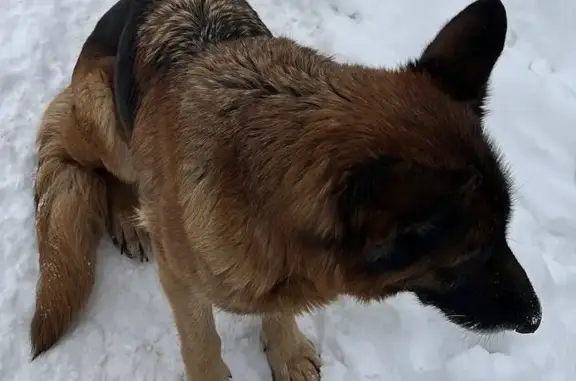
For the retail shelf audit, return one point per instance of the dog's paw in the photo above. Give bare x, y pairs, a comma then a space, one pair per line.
299, 364
130, 239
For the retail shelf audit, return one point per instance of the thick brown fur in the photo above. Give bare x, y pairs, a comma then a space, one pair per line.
273, 179
84, 187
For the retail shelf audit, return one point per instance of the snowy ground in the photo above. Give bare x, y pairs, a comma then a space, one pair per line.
127, 332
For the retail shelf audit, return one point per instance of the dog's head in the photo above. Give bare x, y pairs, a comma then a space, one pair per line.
430, 215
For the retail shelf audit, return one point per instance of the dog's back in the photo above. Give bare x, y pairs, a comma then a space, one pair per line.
159, 34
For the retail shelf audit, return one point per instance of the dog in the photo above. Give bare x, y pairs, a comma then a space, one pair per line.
272, 180
84, 186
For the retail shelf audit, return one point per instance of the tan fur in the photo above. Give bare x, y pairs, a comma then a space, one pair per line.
247, 151
83, 189
77, 201
226, 223
244, 149
70, 220
97, 127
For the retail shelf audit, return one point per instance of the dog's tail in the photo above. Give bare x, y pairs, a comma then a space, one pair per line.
70, 220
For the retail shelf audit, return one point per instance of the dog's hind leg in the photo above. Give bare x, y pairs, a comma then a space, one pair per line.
92, 87
123, 225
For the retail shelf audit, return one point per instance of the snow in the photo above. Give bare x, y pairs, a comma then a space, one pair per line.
127, 332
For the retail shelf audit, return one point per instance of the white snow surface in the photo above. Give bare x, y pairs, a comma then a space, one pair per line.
127, 332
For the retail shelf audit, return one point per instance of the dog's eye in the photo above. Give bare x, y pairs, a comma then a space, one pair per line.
405, 250
390, 257
452, 277
449, 279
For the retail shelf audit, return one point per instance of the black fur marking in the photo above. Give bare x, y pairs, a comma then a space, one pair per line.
363, 186
493, 293
462, 56
36, 199
454, 276
103, 40
413, 244
418, 233
422, 233
126, 91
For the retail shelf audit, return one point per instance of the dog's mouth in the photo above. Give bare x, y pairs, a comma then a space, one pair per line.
496, 297
485, 313
529, 326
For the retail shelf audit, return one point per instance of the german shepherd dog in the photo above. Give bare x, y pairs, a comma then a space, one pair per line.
84, 185
273, 179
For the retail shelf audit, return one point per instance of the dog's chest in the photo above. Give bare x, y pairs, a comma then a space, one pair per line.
292, 293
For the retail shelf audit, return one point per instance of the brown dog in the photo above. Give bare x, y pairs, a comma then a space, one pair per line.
273, 180
84, 186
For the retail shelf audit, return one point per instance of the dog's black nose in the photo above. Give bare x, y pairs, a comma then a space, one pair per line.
531, 325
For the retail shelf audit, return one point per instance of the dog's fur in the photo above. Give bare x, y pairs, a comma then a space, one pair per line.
84, 185
272, 179
187, 28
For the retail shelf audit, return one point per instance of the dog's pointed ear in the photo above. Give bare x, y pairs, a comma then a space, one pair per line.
463, 54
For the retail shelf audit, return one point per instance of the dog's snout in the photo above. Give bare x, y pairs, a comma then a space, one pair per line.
530, 325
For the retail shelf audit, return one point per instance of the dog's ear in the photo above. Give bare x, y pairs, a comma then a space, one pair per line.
463, 54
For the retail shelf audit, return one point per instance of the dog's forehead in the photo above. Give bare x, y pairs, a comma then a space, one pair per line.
417, 101
431, 104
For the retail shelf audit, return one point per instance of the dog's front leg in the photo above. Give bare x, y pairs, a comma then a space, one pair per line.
291, 355
199, 340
